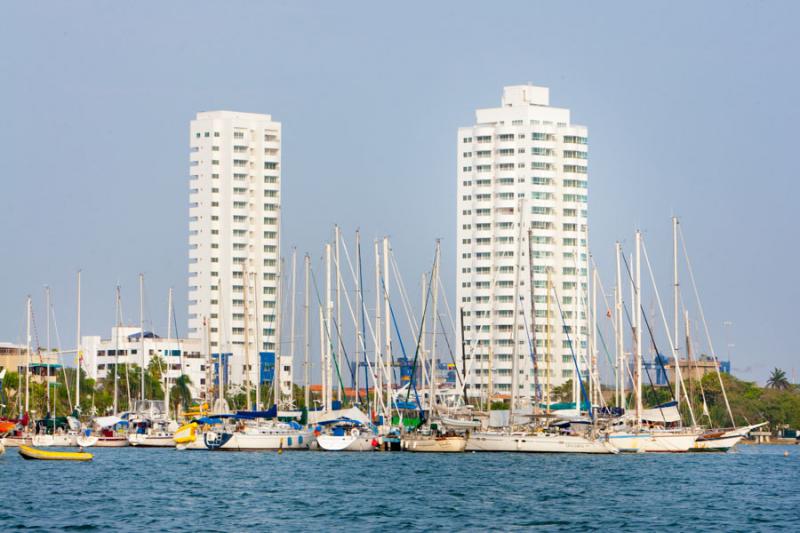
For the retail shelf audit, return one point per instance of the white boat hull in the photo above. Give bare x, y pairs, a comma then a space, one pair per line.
346, 443
257, 440
435, 444
161, 440
111, 442
536, 443
61, 441
17, 441
652, 441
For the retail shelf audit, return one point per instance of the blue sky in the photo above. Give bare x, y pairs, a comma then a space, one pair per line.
691, 108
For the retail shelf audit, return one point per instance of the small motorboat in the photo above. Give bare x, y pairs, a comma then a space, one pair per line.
31, 453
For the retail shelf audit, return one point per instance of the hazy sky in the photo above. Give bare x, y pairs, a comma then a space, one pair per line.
691, 107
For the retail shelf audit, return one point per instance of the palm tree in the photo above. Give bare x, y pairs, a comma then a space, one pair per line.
777, 380
180, 393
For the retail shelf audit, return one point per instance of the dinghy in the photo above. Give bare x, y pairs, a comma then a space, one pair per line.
31, 453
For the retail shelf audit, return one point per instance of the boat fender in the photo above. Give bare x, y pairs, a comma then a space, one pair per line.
354, 432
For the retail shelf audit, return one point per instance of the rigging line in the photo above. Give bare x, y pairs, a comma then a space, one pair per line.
419, 337
412, 383
532, 350
368, 370
363, 319
705, 324
63, 368
327, 332
412, 320
678, 375
649, 330
572, 351
452, 356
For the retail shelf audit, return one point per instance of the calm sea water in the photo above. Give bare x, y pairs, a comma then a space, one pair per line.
756, 488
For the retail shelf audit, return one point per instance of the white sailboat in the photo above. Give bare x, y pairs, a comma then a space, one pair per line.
536, 442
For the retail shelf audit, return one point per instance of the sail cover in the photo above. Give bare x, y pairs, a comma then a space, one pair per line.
666, 412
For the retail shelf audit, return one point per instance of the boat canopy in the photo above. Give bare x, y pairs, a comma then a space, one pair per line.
272, 412
666, 412
107, 421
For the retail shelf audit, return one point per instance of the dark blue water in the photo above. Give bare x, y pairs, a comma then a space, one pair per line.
130, 489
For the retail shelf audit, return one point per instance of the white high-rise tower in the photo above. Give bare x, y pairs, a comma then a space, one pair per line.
522, 172
234, 235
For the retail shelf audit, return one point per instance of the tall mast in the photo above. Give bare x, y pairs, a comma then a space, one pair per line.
78, 351
292, 327
49, 348
434, 316
328, 330
637, 313
141, 325
549, 328
307, 348
593, 391
116, 352
387, 313
221, 365
259, 336
207, 337
339, 341
169, 352
515, 322
248, 385
620, 338
675, 303
27, 354
276, 379
378, 385
422, 339
359, 309
577, 335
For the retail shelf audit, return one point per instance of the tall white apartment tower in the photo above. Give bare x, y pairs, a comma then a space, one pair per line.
522, 185
234, 229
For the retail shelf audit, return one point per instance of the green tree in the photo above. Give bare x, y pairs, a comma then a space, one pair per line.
777, 380
180, 393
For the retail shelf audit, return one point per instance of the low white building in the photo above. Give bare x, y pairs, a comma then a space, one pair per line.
124, 346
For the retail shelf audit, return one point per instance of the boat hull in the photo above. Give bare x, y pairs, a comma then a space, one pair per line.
17, 441
111, 442
536, 443
31, 453
652, 441
346, 443
257, 441
165, 440
58, 441
435, 444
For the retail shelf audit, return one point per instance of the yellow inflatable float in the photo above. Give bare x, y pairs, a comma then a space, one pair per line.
29, 452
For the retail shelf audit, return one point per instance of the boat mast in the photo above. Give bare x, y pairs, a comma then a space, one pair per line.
49, 349
339, 341
116, 352
221, 366
359, 308
27, 353
549, 343
622, 367
675, 303
207, 337
434, 316
593, 391
422, 340
294, 306
379, 370
515, 326
637, 328
575, 338
168, 352
259, 335
276, 378
141, 325
387, 323
246, 374
307, 348
78, 352
328, 337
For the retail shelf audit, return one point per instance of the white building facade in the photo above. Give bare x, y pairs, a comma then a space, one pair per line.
234, 239
124, 347
522, 212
